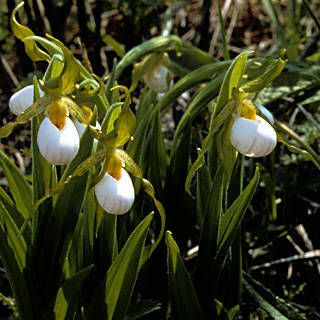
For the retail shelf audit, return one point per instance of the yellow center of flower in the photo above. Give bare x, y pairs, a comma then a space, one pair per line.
115, 166
58, 113
248, 110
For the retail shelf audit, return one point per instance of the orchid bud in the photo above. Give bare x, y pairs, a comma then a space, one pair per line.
58, 145
22, 99
253, 138
157, 79
115, 195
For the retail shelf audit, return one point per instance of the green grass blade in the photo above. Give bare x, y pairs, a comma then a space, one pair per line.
273, 14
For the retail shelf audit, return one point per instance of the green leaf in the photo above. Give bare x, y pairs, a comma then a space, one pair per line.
276, 307
219, 120
204, 73
231, 219
160, 43
22, 32
16, 216
13, 252
121, 277
158, 159
124, 126
226, 151
192, 57
232, 79
210, 224
67, 298
142, 308
20, 189
9, 233
106, 242
185, 304
139, 146
204, 183
134, 169
198, 103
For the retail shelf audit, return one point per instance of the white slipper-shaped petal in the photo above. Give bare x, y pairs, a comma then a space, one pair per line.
22, 99
253, 138
58, 146
115, 196
82, 127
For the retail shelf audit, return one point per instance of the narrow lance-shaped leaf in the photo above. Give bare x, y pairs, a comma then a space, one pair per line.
134, 169
192, 57
67, 299
20, 189
196, 105
231, 219
112, 298
193, 78
210, 223
155, 44
185, 304
13, 257
123, 272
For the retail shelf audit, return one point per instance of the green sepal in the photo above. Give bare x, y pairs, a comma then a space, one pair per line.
34, 110
65, 82
22, 32
268, 72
